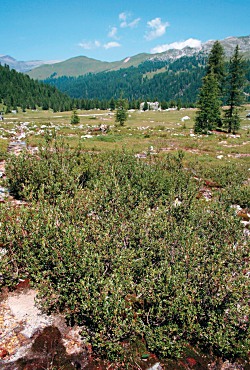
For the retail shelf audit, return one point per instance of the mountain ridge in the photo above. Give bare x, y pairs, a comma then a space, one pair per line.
23, 66
81, 65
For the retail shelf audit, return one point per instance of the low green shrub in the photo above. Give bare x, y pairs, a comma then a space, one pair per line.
132, 254
53, 171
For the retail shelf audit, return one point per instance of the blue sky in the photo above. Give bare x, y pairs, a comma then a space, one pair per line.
115, 29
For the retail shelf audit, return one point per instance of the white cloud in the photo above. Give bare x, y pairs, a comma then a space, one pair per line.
158, 28
123, 17
134, 23
113, 33
112, 44
88, 45
192, 43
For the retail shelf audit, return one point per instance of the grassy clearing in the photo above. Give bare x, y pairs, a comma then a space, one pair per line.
164, 131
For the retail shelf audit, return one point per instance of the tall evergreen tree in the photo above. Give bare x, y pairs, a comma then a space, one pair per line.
145, 106
211, 94
235, 96
121, 114
208, 115
216, 62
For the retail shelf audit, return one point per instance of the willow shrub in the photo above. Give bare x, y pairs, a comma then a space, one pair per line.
232, 178
55, 170
122, 258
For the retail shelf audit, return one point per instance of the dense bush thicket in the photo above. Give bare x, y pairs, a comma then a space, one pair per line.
124, 248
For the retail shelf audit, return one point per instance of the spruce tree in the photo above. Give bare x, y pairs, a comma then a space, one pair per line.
216, 62
145, 106
208, 116
211, 94
235, 96
74, 117
121, 114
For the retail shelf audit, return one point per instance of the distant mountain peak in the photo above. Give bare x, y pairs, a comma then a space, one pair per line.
21, 66
7, 58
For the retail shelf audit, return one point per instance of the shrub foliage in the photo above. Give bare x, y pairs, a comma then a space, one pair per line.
124, 248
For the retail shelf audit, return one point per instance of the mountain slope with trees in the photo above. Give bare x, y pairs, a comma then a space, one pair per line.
178, 80
19, 90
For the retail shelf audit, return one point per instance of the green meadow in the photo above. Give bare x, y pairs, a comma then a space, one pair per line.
163, 130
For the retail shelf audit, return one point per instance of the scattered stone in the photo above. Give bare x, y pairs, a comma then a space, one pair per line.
141, 155
191, 361
185, 118
3, 251
4, 193
236, 207
246, 224
156, 366
204, 193
224, 142
244, 215
231, 366
246, 233
3, 353
16, 146
177, 202
86, 136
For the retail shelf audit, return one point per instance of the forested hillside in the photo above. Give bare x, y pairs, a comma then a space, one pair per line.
19, 90
160, 80
151, 80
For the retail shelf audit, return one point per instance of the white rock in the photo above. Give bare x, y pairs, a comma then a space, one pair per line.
156, 366
177, 202
237, 207
87, 136
23, 307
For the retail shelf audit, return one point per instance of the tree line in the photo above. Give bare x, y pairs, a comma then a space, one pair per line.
19, 91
